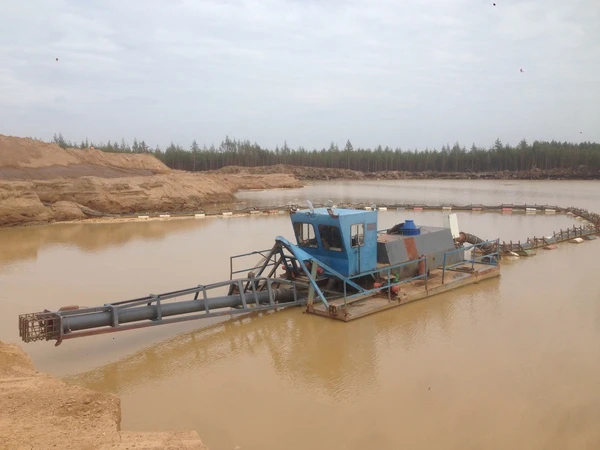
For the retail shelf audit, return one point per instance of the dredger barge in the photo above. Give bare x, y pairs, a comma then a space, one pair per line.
341, 267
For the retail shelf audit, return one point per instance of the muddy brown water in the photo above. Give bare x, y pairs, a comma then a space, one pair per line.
509, 363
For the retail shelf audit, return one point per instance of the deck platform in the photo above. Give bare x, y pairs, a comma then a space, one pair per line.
413, 290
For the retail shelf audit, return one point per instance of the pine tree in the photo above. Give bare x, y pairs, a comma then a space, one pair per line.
194, 148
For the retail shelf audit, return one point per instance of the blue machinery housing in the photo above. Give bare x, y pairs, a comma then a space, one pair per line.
342, 257
345, 240
340, 267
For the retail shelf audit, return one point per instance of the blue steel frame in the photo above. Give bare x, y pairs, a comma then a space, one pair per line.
52, 322
388, 271
302, 257
473, 260
263, 253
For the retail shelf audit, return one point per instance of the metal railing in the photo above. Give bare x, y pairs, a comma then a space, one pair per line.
388, 271
262, 253
483, 259
490, 258
49, 325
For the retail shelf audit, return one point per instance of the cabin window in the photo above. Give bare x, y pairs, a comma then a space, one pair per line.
305, 234
331, 238
357, 233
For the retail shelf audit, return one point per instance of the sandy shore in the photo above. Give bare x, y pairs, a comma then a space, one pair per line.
41, 412
43, 183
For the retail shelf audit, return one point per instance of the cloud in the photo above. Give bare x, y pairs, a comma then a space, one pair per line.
372, 72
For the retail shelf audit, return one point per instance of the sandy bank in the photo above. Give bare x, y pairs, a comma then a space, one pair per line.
318, 173
40, 412
41, 183
42, 201
26, 159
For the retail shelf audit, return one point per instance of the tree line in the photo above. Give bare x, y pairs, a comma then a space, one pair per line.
544, 155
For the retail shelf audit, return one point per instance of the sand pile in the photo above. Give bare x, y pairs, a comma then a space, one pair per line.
30, 159
42, 182
40, 412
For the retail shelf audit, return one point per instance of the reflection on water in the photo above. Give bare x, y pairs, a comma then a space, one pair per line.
347, 353
456, 371
291, 347
25, 243
583, 194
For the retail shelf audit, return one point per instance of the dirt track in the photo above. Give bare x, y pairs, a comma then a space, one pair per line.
41, 412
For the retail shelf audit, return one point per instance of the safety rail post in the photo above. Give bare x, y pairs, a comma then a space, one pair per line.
389, 287
205, 297
253, 287
114, 313
311, 289
444, 268
269, 292
426, 274
345, 295
240, 286
158, 307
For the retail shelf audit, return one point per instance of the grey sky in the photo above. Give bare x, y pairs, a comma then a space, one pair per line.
408, 73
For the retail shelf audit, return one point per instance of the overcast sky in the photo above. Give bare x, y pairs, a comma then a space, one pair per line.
407, 73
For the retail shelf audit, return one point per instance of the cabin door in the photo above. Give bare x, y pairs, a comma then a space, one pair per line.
357, 239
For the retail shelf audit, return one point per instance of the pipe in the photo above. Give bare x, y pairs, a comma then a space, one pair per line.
85, 321
474, 240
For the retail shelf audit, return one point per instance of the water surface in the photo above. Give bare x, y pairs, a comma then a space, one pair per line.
509, 363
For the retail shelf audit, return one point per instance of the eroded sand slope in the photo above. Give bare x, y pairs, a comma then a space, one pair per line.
41, 182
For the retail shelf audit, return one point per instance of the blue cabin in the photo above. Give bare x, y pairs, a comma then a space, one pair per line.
344, 239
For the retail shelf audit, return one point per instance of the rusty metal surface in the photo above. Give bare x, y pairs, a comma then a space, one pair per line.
411, 248
71, 321
414, 291
42, 326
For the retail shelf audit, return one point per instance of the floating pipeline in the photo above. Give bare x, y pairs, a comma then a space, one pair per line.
523, 248
286, 208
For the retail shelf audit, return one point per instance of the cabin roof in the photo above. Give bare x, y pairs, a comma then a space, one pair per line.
339, 212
